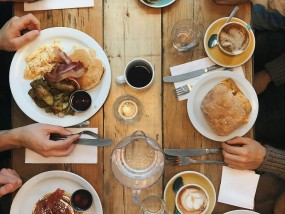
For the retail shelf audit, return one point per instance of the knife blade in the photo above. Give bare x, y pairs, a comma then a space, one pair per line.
83, 141
93, 142
191, 152
190, 75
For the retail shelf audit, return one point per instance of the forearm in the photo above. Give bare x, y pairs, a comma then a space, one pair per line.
276, 69
9, 140
274, 162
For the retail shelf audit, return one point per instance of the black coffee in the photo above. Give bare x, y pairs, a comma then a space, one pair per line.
139, 76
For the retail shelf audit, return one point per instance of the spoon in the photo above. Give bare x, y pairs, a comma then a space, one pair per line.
213, 41
178, 183
81, 200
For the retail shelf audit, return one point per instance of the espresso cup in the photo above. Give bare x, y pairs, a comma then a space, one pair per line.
138, 74
234, 38
192, 198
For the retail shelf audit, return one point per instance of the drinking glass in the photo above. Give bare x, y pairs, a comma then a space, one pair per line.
153, 204
185, 34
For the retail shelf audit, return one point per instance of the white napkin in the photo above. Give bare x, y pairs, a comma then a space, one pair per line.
192, 66
81, 153
238, 187
57, 4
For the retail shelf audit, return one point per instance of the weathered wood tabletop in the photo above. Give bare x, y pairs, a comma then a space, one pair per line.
127, 29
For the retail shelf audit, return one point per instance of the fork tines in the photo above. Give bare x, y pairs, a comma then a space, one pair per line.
182, 90
174, 159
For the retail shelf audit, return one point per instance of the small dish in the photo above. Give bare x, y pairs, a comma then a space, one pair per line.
220, 58
190, 177
127, 109
80, 101
157, 4
81, 200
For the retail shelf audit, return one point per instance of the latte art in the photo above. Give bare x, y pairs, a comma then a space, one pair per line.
192, 200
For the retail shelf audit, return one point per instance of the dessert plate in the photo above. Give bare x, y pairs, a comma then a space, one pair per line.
68, 38
220, 58
47, 182
190, 177
198, 93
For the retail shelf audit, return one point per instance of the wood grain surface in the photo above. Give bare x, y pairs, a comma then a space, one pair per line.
127, 29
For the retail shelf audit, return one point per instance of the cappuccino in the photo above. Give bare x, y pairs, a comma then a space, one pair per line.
192, 199
233, 38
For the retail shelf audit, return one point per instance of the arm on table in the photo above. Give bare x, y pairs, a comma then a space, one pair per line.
247, 154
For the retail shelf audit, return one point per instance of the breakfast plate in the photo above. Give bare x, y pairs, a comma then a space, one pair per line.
220, 58
68, 39
47, 182
190, 177
199, 91
158, 3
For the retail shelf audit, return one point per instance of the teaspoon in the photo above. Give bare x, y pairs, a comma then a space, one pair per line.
213, 41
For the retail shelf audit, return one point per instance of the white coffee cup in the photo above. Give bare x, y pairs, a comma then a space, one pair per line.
192, 198
138, 74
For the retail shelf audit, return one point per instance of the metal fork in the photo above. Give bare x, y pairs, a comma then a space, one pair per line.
182, 90
61, 137
184, 161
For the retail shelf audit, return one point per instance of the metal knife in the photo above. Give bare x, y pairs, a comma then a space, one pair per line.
190, 75
190, 152
84, 141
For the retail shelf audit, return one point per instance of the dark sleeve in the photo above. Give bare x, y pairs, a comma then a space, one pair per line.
276, 69
274, 162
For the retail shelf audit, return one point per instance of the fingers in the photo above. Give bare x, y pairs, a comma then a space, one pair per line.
238, 141
57, 130
63, 144
10, 180
28, 21
60, 153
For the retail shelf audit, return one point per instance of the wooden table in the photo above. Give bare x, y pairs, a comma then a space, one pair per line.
127, 29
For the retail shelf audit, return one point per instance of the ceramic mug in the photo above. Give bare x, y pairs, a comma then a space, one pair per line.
234, 38
138, 74
192, 198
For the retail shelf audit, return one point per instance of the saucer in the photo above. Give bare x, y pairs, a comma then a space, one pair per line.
220, 58
190, 177
158, 4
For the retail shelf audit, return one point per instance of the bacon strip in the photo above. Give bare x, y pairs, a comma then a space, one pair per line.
62, 55
63, 71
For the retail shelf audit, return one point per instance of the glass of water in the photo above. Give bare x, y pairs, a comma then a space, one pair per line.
185, 34
153, 204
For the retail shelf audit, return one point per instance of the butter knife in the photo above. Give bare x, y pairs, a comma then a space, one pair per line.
190, 75
190, 152
84, 141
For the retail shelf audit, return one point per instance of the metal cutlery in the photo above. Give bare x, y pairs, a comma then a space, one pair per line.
96, 141
189, 75
182, 90
184, 161
191, 152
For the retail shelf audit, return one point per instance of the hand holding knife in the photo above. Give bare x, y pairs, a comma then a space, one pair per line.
190, 75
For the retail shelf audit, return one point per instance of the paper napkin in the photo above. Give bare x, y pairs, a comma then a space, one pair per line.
238, 187
192, 66
81, 153
57, 4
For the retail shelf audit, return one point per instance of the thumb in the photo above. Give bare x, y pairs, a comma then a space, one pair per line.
26, 38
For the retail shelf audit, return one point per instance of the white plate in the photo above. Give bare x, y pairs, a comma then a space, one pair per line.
158, 4
241, 212
47, 182
68, 38
199, 91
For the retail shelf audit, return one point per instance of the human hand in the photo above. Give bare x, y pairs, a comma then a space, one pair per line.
260, 81
243, 153
10, 34
9, 181
36, 137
